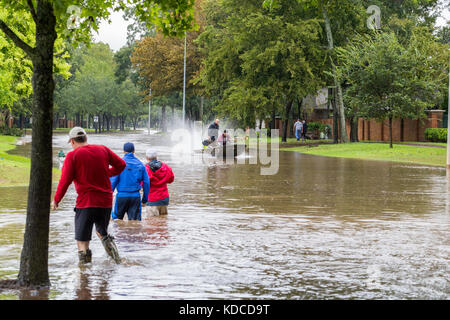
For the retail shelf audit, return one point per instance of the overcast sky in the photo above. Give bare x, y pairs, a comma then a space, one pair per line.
115, 34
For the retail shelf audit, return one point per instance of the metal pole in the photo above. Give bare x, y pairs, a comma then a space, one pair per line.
184, 80
149, 108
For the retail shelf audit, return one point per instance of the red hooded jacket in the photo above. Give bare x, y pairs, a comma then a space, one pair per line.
158, 181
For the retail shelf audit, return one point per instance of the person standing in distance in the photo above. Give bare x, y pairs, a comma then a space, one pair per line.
88, 167
213, 130
128, 184
298, 126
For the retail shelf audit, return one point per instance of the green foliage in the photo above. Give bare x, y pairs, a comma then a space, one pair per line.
123, 63
258, 60
16, 67
386, 80
313, 126
6, 131
436, 134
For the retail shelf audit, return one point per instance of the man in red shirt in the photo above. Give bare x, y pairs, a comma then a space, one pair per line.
88, 166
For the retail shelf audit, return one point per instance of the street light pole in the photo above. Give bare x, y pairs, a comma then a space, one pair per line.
184, 81
149, 108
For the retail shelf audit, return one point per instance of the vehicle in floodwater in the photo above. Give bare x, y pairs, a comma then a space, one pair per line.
217, 149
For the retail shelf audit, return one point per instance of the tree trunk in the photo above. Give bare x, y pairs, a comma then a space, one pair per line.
34, 256
201, 109
299, 108
122, 123
354, 129
390, 132
286, 121
335, 119
163, 119
96, 125
56, 120
6, 117
339, 98
21, 121
105, 124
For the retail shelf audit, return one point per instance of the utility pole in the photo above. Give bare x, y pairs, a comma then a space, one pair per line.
149, 107
184, 81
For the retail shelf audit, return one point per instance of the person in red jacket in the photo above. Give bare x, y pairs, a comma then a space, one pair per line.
88, 166
160, 174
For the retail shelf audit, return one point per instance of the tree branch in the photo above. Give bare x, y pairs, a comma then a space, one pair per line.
17, 41
59, 55
32, 10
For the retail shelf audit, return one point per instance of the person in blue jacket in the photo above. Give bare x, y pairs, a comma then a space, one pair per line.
128, 184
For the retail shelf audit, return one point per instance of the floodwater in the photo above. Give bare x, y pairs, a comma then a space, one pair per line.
321, 228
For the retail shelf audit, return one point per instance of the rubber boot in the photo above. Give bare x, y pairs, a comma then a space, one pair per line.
85, 256
110, 248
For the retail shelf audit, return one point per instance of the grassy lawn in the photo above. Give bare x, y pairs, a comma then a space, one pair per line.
15, 170
90, 130
443, 144
379, 151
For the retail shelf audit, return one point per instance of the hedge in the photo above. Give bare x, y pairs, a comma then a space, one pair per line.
436, 134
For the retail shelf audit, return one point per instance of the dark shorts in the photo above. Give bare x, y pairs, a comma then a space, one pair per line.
129, 205
86, 218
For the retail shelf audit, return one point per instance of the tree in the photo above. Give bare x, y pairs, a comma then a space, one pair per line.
16, 67
51, 19
261, 61
387, 80
122, 59
346, 12
130, 103
159, 61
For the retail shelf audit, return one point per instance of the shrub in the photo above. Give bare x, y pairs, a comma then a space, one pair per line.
436, 134
312, 126
6, 131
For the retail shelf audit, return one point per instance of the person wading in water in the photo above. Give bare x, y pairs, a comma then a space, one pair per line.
128, 184
88, 166
160, 174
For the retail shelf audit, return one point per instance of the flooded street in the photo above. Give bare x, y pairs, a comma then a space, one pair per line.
322, 228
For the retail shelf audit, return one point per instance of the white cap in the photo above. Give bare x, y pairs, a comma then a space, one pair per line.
150, 153
76, 132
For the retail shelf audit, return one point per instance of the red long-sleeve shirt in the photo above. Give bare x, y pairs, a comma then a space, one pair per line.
88, 167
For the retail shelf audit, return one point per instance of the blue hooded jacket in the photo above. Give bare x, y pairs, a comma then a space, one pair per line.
128, 183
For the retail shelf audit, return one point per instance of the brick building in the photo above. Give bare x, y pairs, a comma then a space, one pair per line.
317, 109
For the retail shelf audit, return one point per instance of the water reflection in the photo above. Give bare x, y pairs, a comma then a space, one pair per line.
38, 294
91, 286
152, 231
